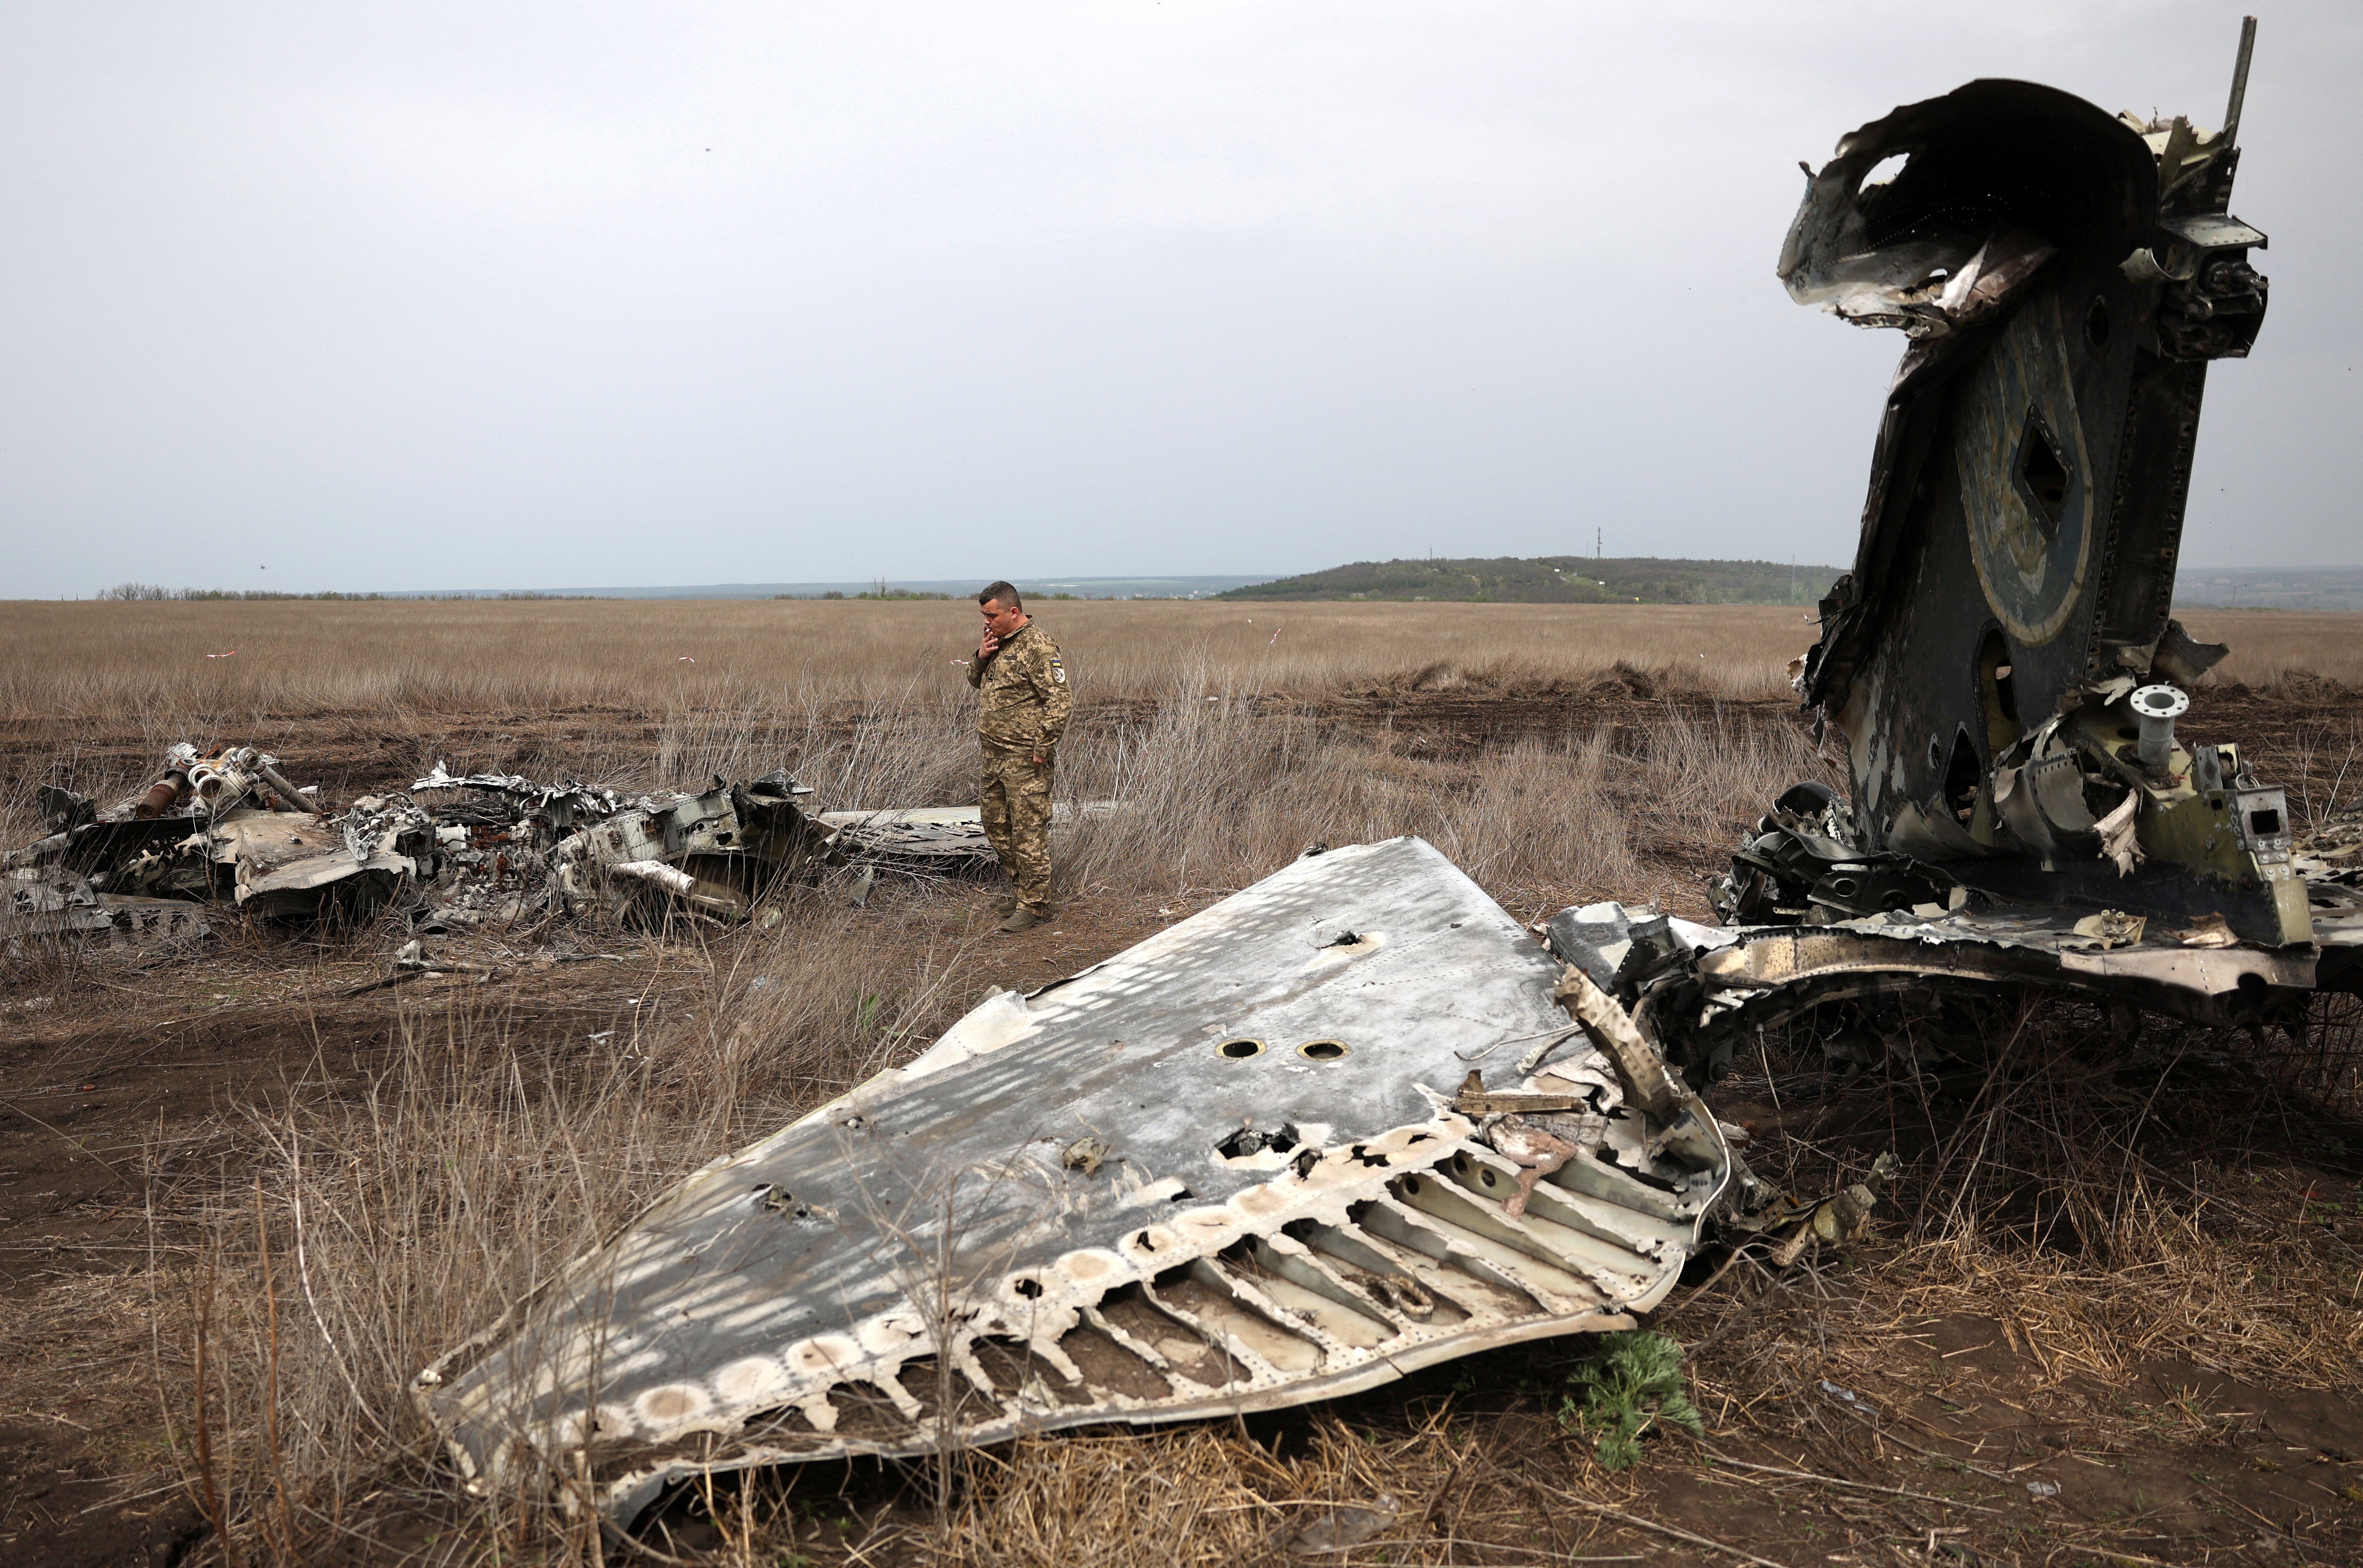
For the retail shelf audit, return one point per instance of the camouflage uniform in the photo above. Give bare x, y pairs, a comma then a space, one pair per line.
1023, 714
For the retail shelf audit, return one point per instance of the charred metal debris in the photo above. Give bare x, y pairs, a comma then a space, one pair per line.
1355, 1120
228, 828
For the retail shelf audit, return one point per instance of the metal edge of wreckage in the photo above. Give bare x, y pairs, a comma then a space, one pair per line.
487, 1460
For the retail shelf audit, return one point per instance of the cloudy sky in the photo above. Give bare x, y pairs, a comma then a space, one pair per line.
463, 296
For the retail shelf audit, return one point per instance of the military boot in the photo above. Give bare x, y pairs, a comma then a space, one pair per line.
1022, 920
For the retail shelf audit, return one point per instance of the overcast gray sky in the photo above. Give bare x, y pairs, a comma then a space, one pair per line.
463, 296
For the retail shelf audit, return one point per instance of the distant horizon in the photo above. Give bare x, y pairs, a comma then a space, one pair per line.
1142, 585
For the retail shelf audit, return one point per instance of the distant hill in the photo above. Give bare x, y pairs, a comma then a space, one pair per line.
1559, 580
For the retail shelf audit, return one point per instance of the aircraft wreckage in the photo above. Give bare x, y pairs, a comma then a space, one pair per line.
229, 827
1355, 1120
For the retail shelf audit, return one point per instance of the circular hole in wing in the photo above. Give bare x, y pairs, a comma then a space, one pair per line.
1486, 1176
1322, 1050
1027, 1287
1239, 1049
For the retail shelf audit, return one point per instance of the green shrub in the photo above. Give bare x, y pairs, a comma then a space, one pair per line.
1635, 1383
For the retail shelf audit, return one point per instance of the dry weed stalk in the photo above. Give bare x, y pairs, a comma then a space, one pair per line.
466, 1175
2095, 1192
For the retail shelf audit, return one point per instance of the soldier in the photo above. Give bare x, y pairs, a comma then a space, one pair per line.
1023, 711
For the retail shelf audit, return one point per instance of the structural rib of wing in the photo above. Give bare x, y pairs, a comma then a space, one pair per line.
1221, 1171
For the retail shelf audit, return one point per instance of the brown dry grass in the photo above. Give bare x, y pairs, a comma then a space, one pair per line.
321, 1243
74, 659
2270, 648
66, 659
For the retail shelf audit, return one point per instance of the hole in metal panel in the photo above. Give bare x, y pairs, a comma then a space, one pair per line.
1884, 172
2096, 323
1239, 1049
2042, 477
1996, 697
1249, 1140
1323, 1049
1028, 1288
1964, 774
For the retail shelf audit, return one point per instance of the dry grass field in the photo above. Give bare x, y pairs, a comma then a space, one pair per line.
243, 1195
108, 660
148, 661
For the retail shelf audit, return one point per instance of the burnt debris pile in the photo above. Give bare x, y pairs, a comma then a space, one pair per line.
227, 829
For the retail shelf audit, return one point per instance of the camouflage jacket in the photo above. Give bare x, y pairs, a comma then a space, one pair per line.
1026, 696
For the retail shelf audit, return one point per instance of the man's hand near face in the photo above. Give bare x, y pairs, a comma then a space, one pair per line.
1000, 621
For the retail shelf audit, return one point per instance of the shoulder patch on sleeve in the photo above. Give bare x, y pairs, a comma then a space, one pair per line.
1059, 671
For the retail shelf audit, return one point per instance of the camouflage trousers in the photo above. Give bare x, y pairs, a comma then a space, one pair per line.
1015, 799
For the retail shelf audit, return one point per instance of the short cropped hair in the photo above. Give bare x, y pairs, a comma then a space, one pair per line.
1003, 594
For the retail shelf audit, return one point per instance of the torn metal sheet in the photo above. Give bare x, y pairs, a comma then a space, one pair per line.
2001, 664
563, 806
941, 836
1229, 1169
934, 836
287, 867
525, 846
38, 907
714, 852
